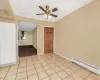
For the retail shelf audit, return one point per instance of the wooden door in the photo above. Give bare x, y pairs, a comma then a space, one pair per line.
48, 40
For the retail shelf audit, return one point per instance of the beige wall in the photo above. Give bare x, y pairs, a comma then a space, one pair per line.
78, 34
28, 40
34, 38
40, 37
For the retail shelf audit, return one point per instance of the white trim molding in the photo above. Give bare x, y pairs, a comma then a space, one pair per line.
63, 56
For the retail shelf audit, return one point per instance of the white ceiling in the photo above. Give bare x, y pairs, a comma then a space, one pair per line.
29, 8
26, 26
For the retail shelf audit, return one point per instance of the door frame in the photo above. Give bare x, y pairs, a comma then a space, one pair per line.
52, 39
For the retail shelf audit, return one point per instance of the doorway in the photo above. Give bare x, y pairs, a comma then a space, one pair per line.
27, 39
48, 40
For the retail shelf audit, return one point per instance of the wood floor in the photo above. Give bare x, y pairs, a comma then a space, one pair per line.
27, 51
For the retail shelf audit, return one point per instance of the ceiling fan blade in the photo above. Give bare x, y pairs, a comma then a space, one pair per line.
42, 8
55, 9
41, 14
54, 15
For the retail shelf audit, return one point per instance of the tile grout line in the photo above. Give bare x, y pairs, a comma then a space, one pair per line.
35, 68
6, 73
17, 69
26, 70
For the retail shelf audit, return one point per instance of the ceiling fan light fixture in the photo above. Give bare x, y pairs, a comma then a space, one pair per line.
47, 16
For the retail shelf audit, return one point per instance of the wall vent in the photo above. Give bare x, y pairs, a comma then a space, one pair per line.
86, 65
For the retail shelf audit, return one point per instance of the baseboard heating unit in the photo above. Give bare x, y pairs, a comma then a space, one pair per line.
86, 65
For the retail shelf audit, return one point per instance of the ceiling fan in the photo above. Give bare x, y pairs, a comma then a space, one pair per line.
47, 12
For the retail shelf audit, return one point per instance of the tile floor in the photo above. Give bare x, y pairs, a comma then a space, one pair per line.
46, 67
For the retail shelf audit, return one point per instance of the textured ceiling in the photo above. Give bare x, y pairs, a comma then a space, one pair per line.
29, 8
26, 26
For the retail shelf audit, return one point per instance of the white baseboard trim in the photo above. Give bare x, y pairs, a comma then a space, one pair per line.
89, 68
40, 53
87, 65
4, 65
63, 56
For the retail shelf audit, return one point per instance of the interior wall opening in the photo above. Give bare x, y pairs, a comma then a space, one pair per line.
27, 39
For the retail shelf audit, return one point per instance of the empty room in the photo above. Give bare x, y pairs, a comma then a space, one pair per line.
50, 40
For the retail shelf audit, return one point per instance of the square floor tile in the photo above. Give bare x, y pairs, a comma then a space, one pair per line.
3, 74
12, 72
13, 77
93, 77
68, 78
21, 69
13, 67
57, 69
42, 75
30, 67
50, 71
84, 73
62, 66
55, 77
37, 65
1, 79
33, 77
46, 67
24, 79
47, 78
39, 69
62, 74
22, 65
76, 77
4, 69
68, 71
31, 72
21, 75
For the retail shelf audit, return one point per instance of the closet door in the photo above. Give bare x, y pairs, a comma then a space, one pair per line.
7, 43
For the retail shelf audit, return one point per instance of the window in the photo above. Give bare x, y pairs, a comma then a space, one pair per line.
22, 35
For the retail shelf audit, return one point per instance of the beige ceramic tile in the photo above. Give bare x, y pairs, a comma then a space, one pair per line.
30, 67
84, 73
57, 69
13, 77
55, 77
46, 67
62, 74
93, 77
39, 69
21, 75
24, 79
12, 72
68, 71
31, 72
29, 63
3, 74
73, 68
4, 69
42, 75
1, 79
33, 77
21, 69
50, 71
53, 65
37, 65
62, 66
13, 67
47, 78
76, 77
67, 65
22, 65
68, 78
